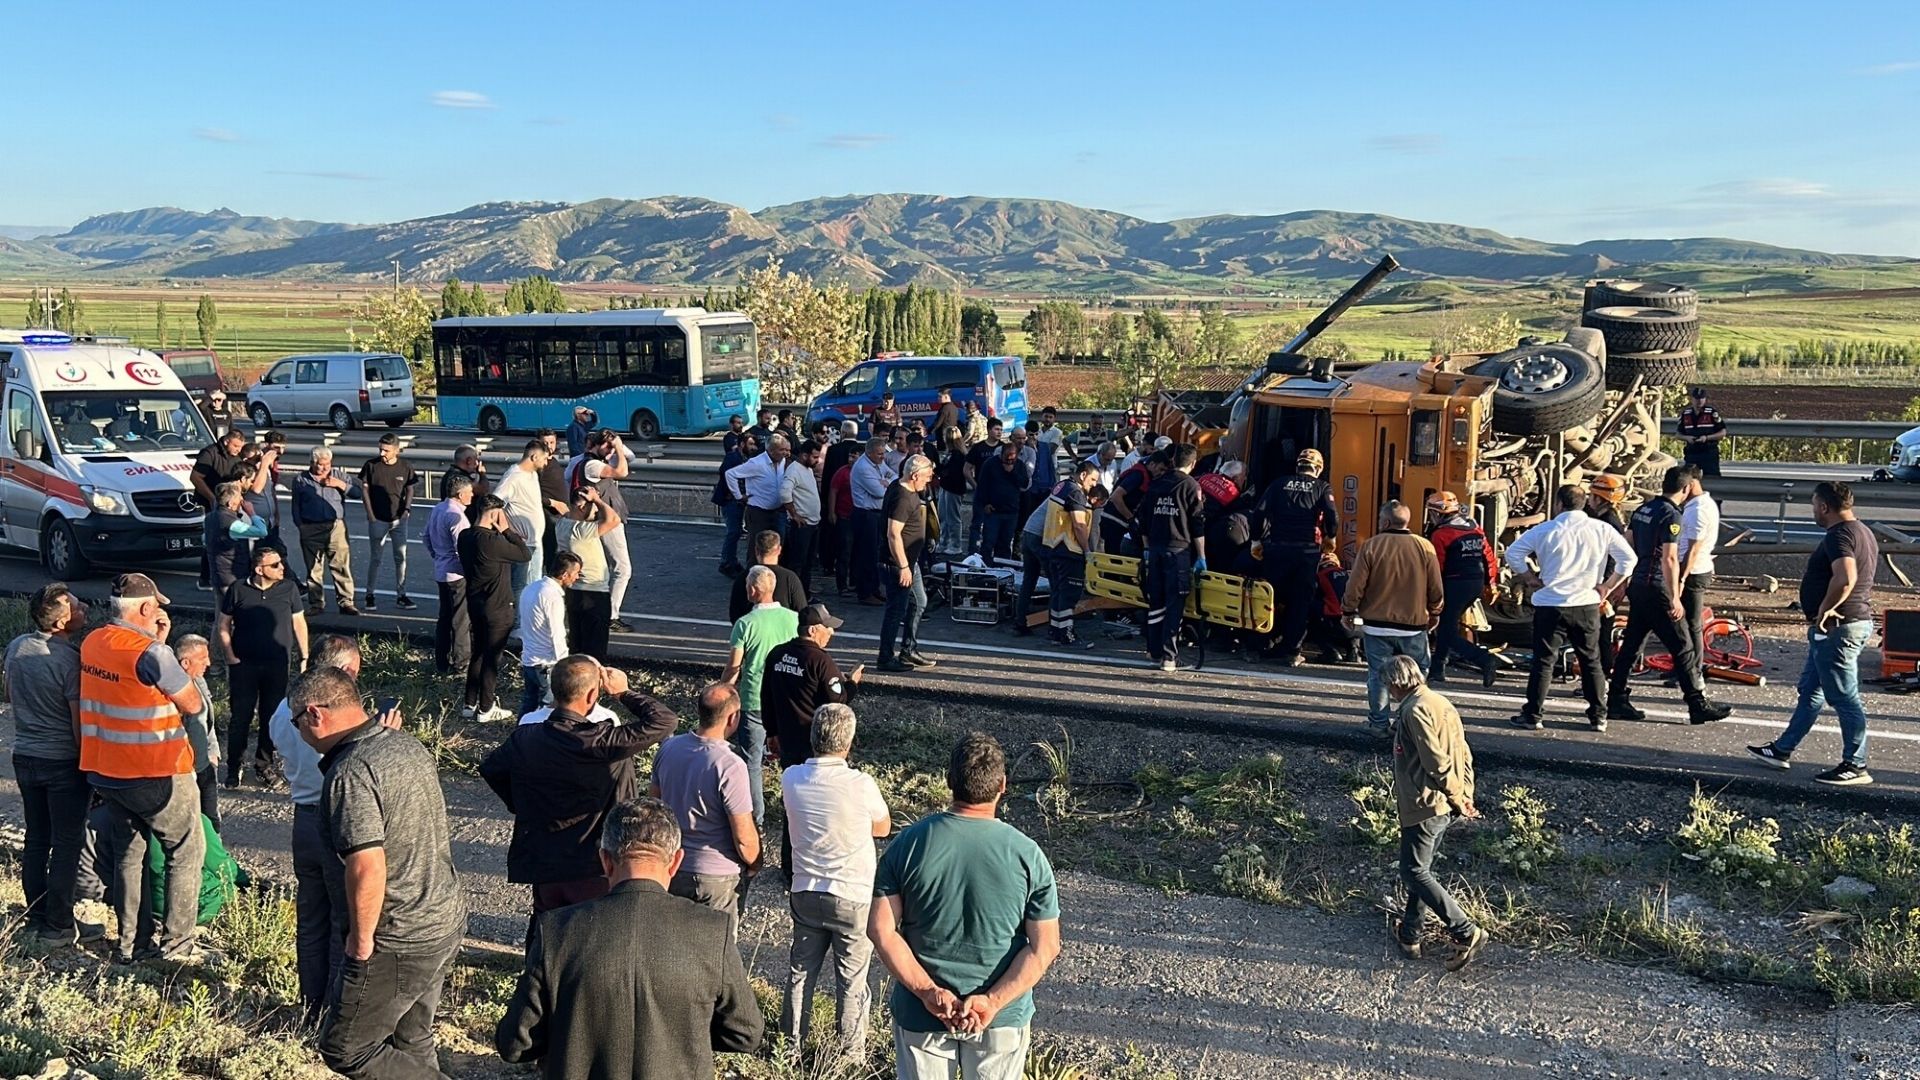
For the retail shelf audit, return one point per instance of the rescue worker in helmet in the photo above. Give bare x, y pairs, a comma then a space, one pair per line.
1297, 516
1468, 571
1605, 493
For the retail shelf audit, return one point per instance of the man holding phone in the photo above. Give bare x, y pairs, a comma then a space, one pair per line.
1836, 595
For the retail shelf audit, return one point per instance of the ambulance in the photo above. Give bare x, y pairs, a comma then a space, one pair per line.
99, 446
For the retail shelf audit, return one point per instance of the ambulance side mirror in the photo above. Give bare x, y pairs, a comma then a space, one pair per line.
25, 446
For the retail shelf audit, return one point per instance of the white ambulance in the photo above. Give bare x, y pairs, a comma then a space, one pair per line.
100, 444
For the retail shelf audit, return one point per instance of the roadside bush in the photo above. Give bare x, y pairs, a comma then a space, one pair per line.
1376, 818
1889, 860
1883, 964
1725, 844
1527, 845
1243, 871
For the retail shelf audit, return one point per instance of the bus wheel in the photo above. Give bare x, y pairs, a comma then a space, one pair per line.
646, 426
493, 421
60, 551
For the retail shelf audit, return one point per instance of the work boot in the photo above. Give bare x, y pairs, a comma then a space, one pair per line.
1622, 709
912, 658
1706, 711
894, 665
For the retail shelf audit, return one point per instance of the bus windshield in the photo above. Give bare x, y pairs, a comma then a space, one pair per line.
727, 353
97, 421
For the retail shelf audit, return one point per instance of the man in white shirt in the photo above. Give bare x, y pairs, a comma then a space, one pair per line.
543, 628
1569, 554
800, 500
759, 482
834, 813
870, 480
1106, 459
1699, 532
526, 507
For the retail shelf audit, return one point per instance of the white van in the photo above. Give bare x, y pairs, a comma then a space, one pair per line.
99, 447
345, 390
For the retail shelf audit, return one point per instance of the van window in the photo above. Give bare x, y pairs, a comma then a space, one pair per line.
1008, 374
310, 371
23, 419
859, 382
386, 369
280, 375
905, 377
189, 367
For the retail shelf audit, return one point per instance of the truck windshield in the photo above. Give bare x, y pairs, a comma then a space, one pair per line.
97, 421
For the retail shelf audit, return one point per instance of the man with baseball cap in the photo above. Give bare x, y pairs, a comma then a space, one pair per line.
1701, 428
1299, 516
134, 749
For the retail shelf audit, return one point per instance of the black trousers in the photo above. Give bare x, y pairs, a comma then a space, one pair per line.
1458, 595
256, 689
1295, 575
1418, 844
589, 621
209, 796
452, 634
797, 551
1693, 598
1580, 628
490, 632
379, 1024
54, 797
320, 928
1652, 613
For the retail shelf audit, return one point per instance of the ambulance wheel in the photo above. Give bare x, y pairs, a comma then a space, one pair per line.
60, 551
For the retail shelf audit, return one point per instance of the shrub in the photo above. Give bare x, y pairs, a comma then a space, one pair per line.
1527, 845
1883, 965
1726, 845
1242, 871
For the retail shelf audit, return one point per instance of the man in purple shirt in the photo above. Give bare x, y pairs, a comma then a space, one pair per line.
700, 776
441, 538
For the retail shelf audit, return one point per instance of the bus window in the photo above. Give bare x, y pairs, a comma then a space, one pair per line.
596, 360
556, 365
673, 357
642, 353
519, 359
727, 353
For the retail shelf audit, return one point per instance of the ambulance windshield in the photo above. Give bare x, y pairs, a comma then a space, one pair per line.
103, 421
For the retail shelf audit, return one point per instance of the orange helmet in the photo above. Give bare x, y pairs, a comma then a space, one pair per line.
1609, 486
1444, 503
1310, 459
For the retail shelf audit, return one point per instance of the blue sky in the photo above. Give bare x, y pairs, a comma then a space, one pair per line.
1780, 122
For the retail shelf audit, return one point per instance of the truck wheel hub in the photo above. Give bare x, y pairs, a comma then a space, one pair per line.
1535, 374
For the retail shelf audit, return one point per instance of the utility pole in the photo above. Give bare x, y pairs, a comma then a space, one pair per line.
396, 280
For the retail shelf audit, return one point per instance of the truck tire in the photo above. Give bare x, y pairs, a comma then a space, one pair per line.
1589, 341
1653, 294
1543, 389
1653, 368
1644, 329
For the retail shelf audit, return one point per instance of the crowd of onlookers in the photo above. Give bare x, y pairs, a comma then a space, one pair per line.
635, 895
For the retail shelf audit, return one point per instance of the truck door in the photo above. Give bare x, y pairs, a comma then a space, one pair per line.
1366, 468
26, 466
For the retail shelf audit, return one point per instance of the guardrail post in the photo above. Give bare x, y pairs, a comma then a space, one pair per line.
1780, 523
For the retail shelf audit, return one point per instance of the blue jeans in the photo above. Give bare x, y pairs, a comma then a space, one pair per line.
750, 742
997, 534
1832, 676
533, 686
733, 514
950, 516
1169, 580
1380, 648
901, 621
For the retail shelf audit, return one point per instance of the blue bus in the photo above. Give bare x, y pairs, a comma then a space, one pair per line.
652, 371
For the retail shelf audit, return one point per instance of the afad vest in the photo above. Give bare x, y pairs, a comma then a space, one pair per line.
128, 730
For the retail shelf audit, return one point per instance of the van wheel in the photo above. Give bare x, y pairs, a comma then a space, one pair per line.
341, 418
493, 421
396, 421
646, 426
60, 551
261, 416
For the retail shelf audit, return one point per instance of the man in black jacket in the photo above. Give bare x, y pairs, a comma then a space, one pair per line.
1176, 550
489, 550
788, 592
1299, 517
561, 778
637, 983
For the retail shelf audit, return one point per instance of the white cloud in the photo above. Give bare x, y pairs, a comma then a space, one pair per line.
213, 134
1774, 188
1898, 67
854, 141
461, 99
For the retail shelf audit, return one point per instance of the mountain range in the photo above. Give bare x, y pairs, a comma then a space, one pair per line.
860, 239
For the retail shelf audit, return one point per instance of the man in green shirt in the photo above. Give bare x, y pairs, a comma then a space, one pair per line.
967, 920
766, 626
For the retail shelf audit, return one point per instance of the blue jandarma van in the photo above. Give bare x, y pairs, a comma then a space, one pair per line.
998, 383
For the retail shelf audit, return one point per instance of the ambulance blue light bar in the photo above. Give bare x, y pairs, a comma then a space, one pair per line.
46, 339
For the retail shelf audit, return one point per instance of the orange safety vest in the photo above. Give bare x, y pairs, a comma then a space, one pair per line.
128, 730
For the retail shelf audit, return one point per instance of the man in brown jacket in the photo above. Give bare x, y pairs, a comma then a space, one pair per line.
1432, 782
1395, 596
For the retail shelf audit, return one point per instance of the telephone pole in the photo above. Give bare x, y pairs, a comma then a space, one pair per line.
396, 280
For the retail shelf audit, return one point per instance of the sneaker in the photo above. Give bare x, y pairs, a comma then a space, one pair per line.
1707, 712
56, 939
494, 715
349, 610
1623, 710
1771, 756
621, 625
1844, 775
404, 603
1597, 724
1527, 721
371, 604
894, 666
1168, 667
468, 712
91, 931
1465, 951
912, 658
1409, 949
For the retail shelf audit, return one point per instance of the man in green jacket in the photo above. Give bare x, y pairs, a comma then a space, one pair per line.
1432, 783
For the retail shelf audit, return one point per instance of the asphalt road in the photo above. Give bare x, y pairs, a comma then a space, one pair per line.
678, 605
